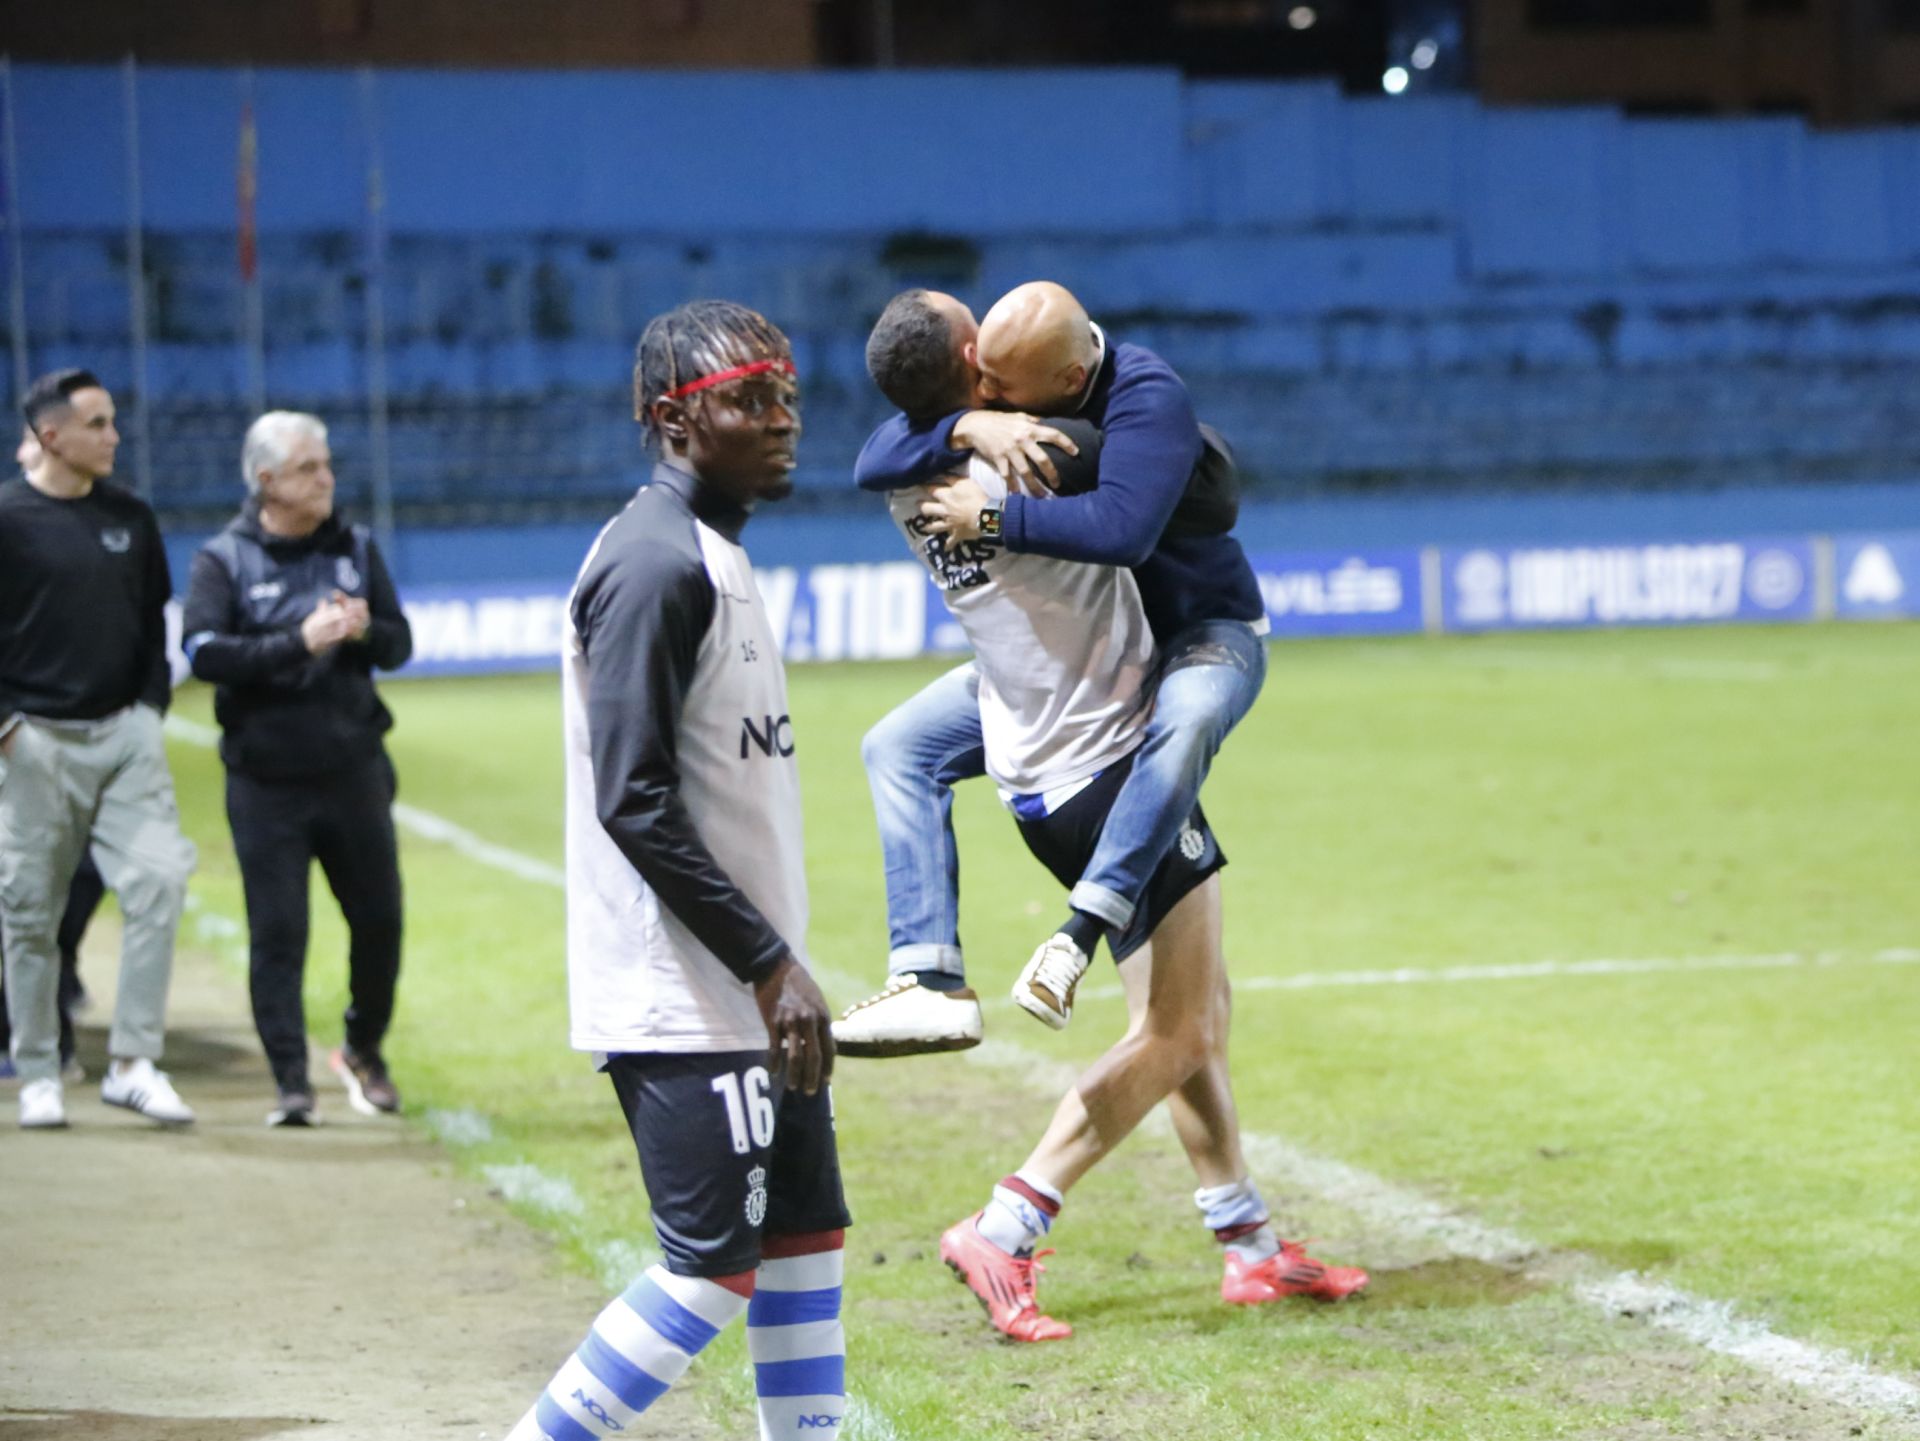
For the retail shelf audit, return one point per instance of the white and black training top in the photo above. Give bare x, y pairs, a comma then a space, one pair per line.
1062, 647
684, 875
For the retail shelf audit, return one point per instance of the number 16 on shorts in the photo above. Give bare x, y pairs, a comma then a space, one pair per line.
749, 1108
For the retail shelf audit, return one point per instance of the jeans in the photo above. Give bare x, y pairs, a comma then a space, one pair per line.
1207, 679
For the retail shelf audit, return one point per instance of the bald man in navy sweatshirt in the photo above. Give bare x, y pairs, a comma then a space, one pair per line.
1157, 509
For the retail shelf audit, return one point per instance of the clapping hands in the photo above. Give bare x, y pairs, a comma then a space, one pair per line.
337, 619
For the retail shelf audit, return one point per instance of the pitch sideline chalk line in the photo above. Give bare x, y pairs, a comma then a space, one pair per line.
1712, 1325
1535, 970
1491, 656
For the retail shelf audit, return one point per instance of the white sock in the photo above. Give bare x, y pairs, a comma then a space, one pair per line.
1238, 1219
798, 1346
638, 1347
1020, 1213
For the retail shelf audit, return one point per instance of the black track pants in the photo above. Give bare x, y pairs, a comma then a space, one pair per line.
280, 828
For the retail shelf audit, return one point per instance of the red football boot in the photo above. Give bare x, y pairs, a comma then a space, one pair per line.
1005, 1284
1289, 1272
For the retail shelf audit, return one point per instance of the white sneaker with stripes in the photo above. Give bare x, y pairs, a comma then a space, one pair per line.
141, 1087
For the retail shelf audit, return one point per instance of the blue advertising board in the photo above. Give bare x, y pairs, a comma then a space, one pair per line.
888, 611
1525, 588
1340, 593
892, 611
1876, 577
821, 612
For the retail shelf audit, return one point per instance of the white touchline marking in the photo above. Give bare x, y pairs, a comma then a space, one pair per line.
534, 1187
424, 824
1713, 1325
192, 732
462, 1127
1534, 970
429, 826
1507, 657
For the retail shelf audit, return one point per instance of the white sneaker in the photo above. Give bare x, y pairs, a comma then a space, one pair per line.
139, 1086
909, 1019
42, 1106
1045, 988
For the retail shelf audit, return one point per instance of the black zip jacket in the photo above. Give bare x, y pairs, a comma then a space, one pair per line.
284, 713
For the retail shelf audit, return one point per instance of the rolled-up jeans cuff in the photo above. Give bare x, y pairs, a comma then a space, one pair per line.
1110, 906
928, 956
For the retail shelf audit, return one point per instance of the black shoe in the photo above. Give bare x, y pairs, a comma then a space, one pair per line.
295, 1109
370, 1091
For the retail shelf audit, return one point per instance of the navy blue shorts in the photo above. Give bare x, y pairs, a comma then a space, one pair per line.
728, 1155
1064, 843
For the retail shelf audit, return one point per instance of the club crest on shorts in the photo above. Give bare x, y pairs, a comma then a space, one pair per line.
117, 539
756, 1195
346, 574
1193, 845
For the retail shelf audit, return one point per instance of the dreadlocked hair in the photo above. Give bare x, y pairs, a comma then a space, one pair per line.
697, 339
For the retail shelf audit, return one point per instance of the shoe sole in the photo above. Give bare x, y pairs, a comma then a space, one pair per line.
59, 1125
356, 1093
292, 1120
909, 1046
129, 1106
1325, 1298
960, 1275
1045, 1014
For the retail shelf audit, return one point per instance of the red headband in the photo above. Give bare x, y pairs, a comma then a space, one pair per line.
721, 377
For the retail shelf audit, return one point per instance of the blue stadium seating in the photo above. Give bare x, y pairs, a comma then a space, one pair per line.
1364, 293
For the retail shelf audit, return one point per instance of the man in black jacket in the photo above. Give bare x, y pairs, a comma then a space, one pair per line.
288, 613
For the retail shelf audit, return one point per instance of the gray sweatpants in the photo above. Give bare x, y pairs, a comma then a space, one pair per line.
65, 786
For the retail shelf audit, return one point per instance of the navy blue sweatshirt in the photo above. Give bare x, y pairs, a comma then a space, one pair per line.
1151, 444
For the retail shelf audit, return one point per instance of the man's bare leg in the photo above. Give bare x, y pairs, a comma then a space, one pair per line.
1173, 1003
1170, 1040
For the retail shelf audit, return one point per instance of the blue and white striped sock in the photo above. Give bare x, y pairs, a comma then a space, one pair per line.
638, 1347
794, 1335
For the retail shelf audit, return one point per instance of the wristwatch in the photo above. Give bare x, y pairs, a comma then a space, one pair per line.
989, 523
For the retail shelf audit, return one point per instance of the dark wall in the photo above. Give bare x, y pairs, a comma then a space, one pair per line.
706, 33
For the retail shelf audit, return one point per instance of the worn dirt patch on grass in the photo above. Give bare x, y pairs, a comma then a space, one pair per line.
229, 1282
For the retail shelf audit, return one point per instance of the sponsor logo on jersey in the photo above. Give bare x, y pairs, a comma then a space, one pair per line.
756, 1195
117, 540
956, 564
266, 590
767, 735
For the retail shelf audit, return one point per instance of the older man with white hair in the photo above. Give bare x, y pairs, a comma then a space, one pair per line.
289, 611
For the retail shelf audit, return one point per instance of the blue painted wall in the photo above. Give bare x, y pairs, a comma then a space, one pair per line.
659, 152
1532, 194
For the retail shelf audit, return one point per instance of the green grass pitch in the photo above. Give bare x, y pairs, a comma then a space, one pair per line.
1749, 1135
